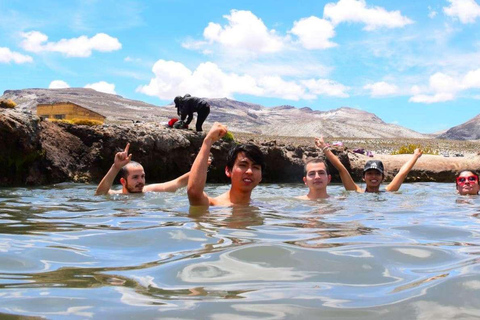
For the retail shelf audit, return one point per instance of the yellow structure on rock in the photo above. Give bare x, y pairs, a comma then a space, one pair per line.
67, 111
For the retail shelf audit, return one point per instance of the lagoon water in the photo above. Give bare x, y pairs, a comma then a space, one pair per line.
65, 254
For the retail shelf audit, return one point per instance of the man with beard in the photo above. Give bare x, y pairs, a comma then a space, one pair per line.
132, 177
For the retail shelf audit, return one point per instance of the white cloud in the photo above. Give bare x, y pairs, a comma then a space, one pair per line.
381, 89
102, 86
326, 87
472, 79
443, 87
357, 11
439, 97
314, 33
440, 82
208, 80
431, 12
274, 86
244, 32
465, 10
7, 56
35, 41
58, 84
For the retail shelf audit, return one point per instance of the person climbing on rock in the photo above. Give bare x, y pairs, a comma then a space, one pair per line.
187, 105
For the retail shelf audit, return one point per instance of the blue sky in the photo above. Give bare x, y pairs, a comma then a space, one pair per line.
413, 63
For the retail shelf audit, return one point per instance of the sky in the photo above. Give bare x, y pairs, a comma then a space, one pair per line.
412, 63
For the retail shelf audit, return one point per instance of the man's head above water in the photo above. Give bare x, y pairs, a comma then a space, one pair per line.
467, 183
373, 174
132, 177
316, 177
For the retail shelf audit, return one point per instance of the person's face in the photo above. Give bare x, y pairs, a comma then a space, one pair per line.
467, 183
135, 180
244, 174
373, 178
316, 177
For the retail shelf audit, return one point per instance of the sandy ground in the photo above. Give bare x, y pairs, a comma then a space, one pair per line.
449, 148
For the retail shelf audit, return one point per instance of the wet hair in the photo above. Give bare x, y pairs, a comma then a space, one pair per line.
314, 160
251, 151
123, 173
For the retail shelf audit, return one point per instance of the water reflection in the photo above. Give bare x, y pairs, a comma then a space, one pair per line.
67, 254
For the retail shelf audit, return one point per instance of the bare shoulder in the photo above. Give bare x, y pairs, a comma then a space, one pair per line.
302, 198
156, 187
222, 200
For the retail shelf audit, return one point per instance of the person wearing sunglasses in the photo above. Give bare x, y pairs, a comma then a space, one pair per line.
467, 183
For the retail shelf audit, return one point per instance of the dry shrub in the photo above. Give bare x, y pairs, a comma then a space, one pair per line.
86, 122
60, 120
10, 104
410, 148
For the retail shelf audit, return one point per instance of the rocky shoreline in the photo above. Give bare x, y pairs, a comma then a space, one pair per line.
38, 152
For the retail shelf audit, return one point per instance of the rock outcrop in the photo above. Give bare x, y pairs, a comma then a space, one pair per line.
38, 152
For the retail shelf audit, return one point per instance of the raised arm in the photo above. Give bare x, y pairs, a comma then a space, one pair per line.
347, 180
121, 159
169, 186
404, 170
198, 173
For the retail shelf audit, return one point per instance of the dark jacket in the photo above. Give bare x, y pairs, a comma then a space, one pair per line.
188, 105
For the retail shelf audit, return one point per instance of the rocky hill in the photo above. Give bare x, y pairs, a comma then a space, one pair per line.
469, 130
36, 152
239, 116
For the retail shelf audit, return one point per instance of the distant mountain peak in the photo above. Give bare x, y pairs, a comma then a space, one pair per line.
469, 130
284, 120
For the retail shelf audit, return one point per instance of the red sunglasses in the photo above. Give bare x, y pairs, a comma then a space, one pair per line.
462, 180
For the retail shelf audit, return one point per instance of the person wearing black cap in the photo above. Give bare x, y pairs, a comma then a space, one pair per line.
373, 172
187, 105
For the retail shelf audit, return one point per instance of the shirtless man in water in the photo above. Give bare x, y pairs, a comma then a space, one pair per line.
373, 172
132, 177
245, 164
316, 178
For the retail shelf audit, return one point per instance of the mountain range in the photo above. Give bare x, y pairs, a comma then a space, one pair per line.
240, 116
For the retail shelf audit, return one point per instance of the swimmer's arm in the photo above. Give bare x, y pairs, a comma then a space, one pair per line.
169, 186
107, 181
121, 159
198, 173
347, 180
404, 170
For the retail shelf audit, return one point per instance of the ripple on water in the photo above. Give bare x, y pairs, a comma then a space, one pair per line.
412, 254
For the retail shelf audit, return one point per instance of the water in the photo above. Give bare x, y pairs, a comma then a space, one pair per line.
65, 254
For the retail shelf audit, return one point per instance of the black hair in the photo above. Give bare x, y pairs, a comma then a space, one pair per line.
123, 173
177, 100
315, 160
251, 151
